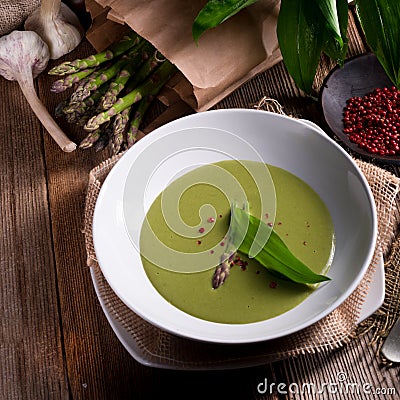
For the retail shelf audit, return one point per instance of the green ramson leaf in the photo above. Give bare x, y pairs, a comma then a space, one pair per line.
215, 12
301, 40
332, 48
330, 13
380, 20
305, 30
274, 254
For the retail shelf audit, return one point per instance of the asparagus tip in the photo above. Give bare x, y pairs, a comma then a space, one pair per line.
58, 86
63, 69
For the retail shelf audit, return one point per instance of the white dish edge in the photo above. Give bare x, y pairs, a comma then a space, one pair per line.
372, 303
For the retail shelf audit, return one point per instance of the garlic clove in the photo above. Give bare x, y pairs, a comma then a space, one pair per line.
60, 29
20, 52
23, 56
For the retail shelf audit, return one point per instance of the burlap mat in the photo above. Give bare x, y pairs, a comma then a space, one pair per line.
339, 327
14, 12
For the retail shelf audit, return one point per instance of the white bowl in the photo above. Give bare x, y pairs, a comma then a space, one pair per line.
296, 146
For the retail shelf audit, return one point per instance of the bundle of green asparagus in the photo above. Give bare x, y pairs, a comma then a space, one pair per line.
112, 91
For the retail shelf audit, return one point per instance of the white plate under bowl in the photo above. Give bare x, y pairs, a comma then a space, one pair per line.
281, 141
144, 355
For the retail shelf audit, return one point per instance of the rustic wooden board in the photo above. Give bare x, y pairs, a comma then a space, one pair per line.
31, 352
55, 340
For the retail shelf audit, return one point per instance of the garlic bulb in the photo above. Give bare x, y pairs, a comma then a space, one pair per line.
23, 56
57, 25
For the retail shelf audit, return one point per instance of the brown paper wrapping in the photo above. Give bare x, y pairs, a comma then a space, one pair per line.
225, 57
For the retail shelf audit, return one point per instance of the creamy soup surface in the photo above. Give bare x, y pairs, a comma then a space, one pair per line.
250, 293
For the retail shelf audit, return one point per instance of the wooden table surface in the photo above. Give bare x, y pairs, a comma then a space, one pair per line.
55, 342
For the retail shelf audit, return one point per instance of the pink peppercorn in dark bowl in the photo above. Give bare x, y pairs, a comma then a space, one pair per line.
362, 109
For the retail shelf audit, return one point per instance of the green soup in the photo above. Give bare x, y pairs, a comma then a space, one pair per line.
250, 293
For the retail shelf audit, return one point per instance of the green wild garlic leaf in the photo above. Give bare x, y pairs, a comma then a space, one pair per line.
334, 48
305, 30
380, 20
330, 13
248, 232
300, 40
215, 12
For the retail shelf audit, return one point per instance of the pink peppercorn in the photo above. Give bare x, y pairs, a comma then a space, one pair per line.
373, 121
211, 219
201, 230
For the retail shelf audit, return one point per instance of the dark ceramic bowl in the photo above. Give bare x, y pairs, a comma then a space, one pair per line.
359, 76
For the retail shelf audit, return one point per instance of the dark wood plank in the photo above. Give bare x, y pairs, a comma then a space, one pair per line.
354, 370
98, 366
32, 364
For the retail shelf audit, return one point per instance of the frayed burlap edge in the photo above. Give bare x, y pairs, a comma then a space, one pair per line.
383, 183
161, 348
14, 12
